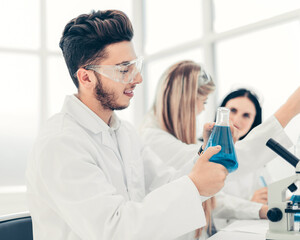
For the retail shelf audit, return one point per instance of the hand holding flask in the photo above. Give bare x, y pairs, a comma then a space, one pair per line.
221, 135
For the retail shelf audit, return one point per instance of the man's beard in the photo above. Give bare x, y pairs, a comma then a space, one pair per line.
106, 98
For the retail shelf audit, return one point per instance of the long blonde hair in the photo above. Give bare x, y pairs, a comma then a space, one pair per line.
176, 98
175, 107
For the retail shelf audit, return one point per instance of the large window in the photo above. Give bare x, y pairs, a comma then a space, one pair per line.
34, 78
266, 60
252, 43
19, 114
230, 14
170, 23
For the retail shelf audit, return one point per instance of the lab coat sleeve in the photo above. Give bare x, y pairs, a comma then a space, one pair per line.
252, 152
157, 172
172, 151
85, 199
173, 158
231, 207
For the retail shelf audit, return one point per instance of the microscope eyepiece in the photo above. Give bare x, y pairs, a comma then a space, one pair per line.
282, 152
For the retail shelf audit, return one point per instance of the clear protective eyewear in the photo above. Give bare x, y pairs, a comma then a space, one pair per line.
124, 73
203, 78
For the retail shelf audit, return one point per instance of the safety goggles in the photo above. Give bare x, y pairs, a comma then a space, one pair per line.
124, 73
203, 78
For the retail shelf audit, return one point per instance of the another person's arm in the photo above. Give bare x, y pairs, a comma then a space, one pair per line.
289, 109
260, 196
231, 207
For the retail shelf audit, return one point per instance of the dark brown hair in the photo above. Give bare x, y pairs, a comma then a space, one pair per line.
243, 92
85, 37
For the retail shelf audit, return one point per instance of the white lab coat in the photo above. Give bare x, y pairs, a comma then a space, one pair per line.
82, 185
252, 154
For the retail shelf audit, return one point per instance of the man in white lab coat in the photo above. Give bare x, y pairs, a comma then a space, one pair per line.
89, 176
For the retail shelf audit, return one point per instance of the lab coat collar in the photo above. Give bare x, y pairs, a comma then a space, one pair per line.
114, 122
86, 117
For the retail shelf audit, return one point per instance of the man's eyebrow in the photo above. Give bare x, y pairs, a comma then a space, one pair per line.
123, 63
126, 62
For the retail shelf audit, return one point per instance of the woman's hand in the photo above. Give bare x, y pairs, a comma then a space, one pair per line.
263, 212
260, 196
235, 133
207, 129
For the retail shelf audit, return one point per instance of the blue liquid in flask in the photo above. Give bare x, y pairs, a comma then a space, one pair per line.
221, 135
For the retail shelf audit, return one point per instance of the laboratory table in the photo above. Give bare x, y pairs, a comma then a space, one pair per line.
243, 230
224, 235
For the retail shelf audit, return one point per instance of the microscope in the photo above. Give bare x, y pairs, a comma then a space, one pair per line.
283, 214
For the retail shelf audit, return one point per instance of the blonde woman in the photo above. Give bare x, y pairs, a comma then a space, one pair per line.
170, 130
179, 100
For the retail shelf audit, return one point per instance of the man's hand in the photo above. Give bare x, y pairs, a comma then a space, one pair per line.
260, 196
208, 176
263, 212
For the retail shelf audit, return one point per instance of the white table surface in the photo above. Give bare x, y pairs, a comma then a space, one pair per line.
224, 235
243, 230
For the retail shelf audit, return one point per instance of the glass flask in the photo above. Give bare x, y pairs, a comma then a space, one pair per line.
221, 135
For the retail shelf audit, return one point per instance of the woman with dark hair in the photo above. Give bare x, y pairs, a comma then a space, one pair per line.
245, 109
245, 115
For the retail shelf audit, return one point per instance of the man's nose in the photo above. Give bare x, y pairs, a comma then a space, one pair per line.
137, 78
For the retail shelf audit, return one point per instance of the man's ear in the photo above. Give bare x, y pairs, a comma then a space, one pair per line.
85, 78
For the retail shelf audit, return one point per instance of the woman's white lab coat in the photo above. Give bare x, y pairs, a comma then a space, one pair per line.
252, 154
87, 180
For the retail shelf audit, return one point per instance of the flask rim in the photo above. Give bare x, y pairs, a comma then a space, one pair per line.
223, 116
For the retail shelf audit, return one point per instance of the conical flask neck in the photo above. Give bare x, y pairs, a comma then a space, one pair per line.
222, 116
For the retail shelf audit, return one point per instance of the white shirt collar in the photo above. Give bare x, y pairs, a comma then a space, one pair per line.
86, 117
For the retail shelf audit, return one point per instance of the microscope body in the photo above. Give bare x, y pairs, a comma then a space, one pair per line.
284, 214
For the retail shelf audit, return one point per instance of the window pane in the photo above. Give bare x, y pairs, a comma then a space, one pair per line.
170, 22
19, 100
156, 68
235, 13
59, 13
266, 60
20, 24
59, 84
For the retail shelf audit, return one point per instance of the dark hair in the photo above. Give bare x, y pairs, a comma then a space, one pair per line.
243, 92
85, 38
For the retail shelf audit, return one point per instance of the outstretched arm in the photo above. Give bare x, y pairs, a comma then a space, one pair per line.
289, 109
